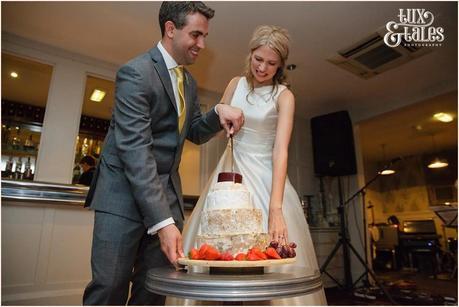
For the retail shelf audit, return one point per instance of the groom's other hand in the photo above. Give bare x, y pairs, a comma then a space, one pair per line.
171, 242
231, 118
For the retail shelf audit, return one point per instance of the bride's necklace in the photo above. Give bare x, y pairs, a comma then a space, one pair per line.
264, 96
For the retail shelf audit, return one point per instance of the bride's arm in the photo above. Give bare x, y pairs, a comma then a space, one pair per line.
276, 225
229, 91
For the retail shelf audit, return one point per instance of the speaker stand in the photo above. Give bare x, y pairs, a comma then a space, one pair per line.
345, 243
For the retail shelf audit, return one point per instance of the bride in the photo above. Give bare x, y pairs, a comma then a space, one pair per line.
261, 153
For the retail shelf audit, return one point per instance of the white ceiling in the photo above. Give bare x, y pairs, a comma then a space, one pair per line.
117, 31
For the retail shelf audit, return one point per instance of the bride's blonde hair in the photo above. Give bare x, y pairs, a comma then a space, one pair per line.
278, 40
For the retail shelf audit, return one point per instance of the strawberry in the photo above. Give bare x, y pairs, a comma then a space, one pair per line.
253, 257
193, 254
211, 253
241, 257
258, 253
226, 256
202, 251
271, 253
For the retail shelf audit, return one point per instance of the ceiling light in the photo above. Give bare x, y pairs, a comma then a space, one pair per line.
97, 95
438, 163
14, 74
443, 117
387, 172
387, 167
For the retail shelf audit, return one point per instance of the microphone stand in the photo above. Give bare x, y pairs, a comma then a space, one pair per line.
345, 243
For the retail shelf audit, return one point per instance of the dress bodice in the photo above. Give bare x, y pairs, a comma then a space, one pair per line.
260, 112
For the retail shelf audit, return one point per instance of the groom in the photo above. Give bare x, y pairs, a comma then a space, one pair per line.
136, 191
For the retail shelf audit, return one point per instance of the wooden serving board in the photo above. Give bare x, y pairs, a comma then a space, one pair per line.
235, 263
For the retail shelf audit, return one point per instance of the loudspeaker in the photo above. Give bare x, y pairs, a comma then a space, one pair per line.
333, 144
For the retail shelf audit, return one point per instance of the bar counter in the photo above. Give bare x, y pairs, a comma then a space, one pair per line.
46, 243
34, 192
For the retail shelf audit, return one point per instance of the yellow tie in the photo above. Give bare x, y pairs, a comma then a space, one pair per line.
181, 110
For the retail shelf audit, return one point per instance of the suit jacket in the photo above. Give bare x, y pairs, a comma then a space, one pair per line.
137, 175
87, 176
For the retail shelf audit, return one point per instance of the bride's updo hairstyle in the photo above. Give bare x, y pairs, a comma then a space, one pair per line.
277, 39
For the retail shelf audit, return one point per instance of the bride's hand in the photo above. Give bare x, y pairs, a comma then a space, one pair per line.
276, 226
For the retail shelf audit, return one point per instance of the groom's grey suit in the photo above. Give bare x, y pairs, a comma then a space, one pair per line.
136, 184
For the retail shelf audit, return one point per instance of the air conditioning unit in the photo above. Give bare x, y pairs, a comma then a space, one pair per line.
371, 56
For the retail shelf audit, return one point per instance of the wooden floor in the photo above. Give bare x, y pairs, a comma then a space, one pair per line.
405, 288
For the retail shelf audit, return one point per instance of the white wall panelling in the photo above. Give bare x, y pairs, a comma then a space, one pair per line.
45, 253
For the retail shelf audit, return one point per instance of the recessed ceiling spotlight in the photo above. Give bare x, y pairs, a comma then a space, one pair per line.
291, 67
14, 74
443, 117
97, 95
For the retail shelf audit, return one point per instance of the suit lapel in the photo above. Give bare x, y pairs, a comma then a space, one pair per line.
163, 73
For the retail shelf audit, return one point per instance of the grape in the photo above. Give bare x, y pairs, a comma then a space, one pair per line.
292, 244
293, 253
274, 244
285, 251
279, 250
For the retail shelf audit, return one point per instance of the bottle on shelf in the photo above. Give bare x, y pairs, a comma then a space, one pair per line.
29, 144
85, 147
8, 168
16, 140
90, 147
17, 172
6, 134
28, 170
96, 148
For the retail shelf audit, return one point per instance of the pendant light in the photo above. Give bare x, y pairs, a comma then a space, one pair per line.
388, 170
437, 162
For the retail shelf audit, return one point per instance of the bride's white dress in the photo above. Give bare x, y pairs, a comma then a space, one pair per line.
253, 147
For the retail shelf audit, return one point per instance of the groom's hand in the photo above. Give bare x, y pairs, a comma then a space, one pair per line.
171, 242
231, 118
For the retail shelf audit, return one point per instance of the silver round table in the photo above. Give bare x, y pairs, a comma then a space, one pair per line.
223, 287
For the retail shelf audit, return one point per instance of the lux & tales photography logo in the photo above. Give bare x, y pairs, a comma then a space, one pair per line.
415, 28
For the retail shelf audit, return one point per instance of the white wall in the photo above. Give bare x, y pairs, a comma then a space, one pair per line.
199, 161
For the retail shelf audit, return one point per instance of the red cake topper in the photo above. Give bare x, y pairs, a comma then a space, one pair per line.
230, 176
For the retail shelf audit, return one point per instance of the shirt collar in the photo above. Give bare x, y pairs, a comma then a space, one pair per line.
168, 59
